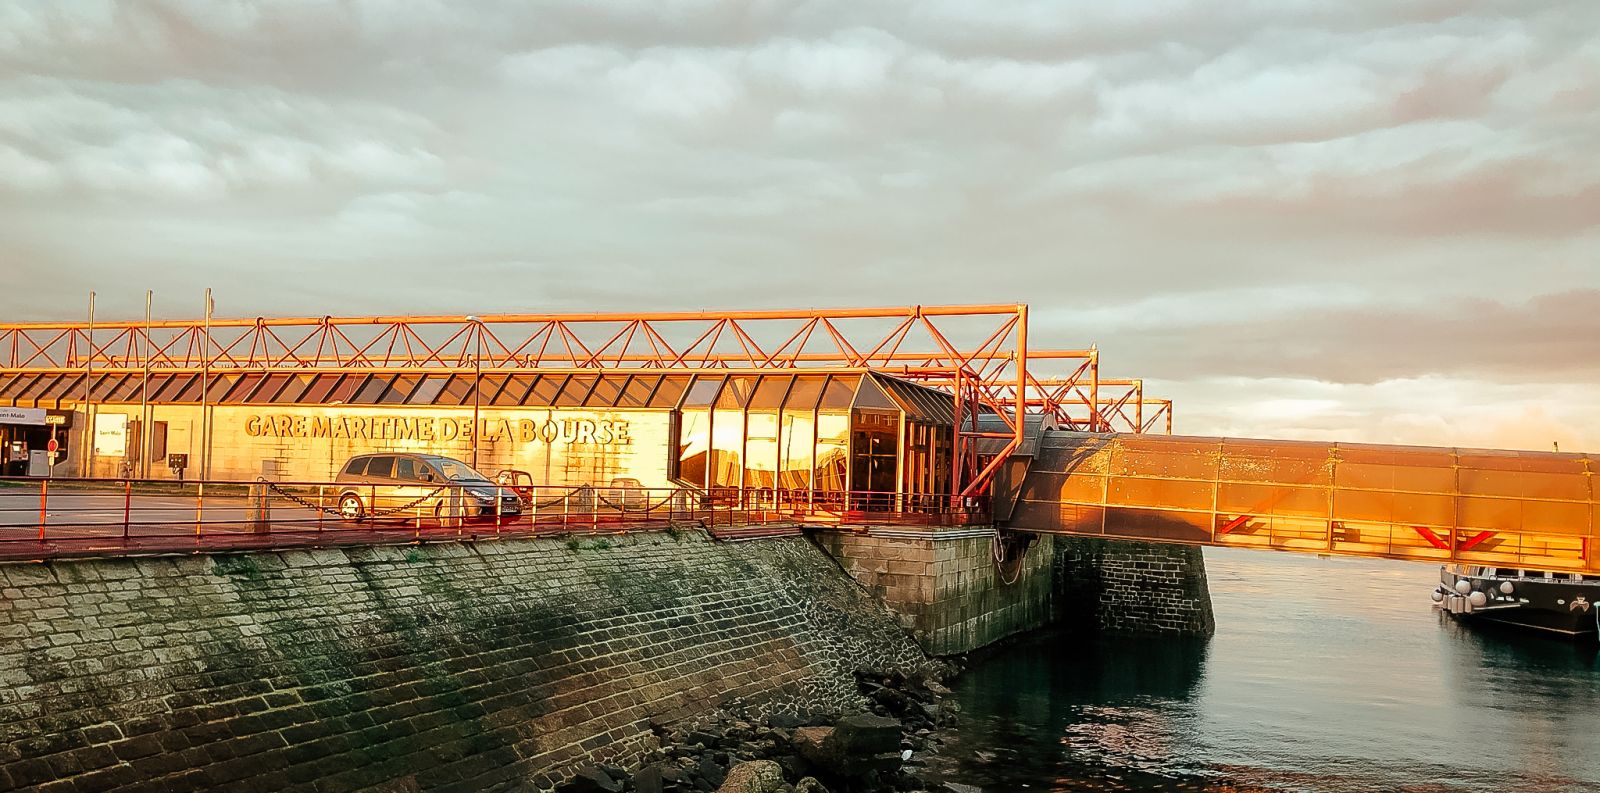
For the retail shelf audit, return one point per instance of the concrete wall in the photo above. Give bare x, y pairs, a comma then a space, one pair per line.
444, 667
945, 584
1131, 587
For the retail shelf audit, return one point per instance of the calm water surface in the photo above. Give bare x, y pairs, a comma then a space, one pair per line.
1324, 675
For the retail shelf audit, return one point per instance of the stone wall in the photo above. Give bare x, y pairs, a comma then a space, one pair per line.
945, 585
1131, 587
443, 667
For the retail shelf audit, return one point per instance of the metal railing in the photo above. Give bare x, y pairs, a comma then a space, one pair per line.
43, 518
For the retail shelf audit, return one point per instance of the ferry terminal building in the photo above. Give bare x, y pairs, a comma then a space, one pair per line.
815, 434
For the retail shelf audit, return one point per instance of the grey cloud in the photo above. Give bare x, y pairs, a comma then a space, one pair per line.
1370, 164
1552, 338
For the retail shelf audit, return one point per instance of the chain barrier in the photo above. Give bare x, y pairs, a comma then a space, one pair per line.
337, 512
648, 507
557, 500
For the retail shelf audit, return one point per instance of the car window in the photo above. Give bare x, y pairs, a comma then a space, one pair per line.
405, 468
457, 471
381, 467
356, 466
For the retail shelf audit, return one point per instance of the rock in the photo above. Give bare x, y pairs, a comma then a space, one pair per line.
785, 721
867, 735
957, 787
811, 743
891, 699
650, 779
710, 771
590, 779
809, 785
792, 765
856, 746
706, 739
756, 776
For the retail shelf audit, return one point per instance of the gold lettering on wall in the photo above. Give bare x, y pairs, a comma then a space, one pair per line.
551, 431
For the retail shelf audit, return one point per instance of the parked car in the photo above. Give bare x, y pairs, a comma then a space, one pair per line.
625, 493
405, 485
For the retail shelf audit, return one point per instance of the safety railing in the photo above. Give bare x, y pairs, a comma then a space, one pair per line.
42, 518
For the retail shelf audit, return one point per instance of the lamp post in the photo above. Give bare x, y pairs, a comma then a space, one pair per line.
477, 382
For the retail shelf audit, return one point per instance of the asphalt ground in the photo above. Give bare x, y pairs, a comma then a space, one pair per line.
84, 521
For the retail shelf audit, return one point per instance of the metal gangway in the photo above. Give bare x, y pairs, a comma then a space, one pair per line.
1508, 509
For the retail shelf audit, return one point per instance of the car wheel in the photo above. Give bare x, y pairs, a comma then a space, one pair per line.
350, 507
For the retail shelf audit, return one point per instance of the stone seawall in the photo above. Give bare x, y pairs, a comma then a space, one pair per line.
443, 667
1131, 587
945, 585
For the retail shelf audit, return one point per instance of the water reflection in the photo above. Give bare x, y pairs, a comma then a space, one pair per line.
1324, 675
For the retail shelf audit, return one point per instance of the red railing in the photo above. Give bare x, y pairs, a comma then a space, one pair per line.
44, 518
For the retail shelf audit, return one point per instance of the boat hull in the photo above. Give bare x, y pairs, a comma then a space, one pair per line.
1562, 605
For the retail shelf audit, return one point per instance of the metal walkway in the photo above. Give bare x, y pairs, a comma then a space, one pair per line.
1526, 510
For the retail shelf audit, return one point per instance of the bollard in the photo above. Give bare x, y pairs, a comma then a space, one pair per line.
44, 502
260, 509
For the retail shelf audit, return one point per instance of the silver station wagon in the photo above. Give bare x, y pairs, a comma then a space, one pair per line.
402, 485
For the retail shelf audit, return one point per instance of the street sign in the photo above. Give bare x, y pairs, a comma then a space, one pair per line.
53, 446
56, 419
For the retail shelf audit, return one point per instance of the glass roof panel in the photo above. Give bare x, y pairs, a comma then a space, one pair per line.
516, 388
324, 384
545, 391
770, 392
428, 391
104, 386
164, 387
457, 392
39, 386
347, 388
371, 390
703, 392
576, 390
607, 391
400, 390
69, 387
670, 392
840, 392
637, 393
736, 394
128, 390
270, 387
806, 391
14, 384
296, 388
870, 395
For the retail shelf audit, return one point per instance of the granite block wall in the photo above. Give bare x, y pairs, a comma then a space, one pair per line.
452, 667
1131, 587
945, 585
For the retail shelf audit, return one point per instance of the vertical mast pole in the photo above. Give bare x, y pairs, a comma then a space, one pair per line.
86, 454
144, 393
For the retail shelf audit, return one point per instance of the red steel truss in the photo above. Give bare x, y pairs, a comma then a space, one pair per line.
979, 353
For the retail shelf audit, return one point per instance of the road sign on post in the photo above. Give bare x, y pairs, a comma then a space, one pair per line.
53, 446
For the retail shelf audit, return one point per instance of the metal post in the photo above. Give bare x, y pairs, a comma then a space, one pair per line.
205, 394
127, 506
44, 500
144, 394
199, 507
477, 382
86, 455
322, 505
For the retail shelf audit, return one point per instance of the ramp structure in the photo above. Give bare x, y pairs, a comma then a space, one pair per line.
1511, 509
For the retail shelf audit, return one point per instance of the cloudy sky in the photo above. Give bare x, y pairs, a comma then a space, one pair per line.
1364, 219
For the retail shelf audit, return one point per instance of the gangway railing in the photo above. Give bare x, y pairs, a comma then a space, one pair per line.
45, 518
1512, 509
